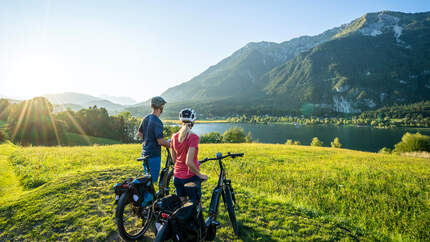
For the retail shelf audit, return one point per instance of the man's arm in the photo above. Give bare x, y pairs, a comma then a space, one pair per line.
140, 132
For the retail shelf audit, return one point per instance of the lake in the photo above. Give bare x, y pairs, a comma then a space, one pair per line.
357, 138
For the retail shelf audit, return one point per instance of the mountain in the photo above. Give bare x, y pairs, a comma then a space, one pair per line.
380, 59
77, 101
71, 97
376, 60
119, 100
65, 106
110, 106
243, 69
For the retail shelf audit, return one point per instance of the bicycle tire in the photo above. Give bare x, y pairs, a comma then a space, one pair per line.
125, 201
230, 209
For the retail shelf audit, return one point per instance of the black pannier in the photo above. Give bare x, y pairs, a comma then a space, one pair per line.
141, 190
184, 223
120, 188
168, 204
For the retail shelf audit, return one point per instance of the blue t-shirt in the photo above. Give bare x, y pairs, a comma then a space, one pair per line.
152, 129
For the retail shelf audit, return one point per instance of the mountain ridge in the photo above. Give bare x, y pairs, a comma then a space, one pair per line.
284, 76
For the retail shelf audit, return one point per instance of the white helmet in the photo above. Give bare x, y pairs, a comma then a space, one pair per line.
187, 115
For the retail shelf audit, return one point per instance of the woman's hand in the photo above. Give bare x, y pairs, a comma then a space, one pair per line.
203, 177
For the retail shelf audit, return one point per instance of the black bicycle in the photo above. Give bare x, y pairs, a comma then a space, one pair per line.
186, 223
134, 199
227, 193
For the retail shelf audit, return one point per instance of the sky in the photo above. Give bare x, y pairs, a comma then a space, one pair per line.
140, 48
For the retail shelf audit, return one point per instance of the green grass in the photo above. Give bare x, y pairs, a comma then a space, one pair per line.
284, 192
73, 139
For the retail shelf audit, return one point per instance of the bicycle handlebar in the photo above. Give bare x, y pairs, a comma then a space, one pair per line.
221, 157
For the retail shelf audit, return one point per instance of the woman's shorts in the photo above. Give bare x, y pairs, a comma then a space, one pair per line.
182, 192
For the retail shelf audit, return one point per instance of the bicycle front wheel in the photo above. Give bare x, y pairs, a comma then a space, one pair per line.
132, 221
228, 201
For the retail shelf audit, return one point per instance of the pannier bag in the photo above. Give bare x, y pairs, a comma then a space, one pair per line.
141, 190
120, 188
184, 223
168, 204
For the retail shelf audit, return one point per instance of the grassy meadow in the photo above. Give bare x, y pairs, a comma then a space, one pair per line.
285, 192
73, 139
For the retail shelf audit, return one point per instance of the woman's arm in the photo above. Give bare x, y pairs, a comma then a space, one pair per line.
192, 166
173, 152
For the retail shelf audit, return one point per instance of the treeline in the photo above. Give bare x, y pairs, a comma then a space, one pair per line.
33, 122
374, 119
232, 135
416, 111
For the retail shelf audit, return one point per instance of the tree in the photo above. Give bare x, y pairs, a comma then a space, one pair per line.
413, 142
212, 137
297, 142
234, 135
4, 109
289, 142
316, 142
3, 135
169, 130
336, 143
385, 150
248, 138
32, 122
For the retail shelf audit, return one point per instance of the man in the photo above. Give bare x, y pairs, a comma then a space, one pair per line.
151, 132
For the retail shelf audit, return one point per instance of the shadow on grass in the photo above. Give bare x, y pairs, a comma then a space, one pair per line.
262, 219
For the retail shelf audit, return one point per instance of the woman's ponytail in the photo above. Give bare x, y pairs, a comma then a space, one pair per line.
184, 131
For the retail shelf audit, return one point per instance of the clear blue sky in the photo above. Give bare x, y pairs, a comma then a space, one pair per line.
141, 48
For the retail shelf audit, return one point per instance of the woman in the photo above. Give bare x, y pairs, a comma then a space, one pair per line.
184, 153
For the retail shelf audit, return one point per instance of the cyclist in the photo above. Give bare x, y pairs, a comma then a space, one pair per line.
151, 132
184, 154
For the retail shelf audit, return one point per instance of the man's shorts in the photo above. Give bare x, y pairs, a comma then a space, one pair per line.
154, 165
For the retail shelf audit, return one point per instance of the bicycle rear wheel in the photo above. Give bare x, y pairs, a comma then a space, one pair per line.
228, 201
132, 225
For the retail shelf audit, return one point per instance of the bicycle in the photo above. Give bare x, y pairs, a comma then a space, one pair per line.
134, 199
226, 190
186, 223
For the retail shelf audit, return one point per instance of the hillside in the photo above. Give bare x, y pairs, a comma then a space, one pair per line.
380, 59
119, 100
381, 62
284, 192
71, 97
77, 101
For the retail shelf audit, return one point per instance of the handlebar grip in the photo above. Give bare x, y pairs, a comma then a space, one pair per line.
203, 161
237, 155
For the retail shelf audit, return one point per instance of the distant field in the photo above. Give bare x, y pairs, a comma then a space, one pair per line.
73, 139
284, 192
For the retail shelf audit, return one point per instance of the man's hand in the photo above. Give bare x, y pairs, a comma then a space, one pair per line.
163, 142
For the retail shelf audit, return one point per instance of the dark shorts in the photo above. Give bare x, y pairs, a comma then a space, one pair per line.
182, 192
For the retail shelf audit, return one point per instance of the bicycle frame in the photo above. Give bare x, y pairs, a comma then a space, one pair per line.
218, 192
